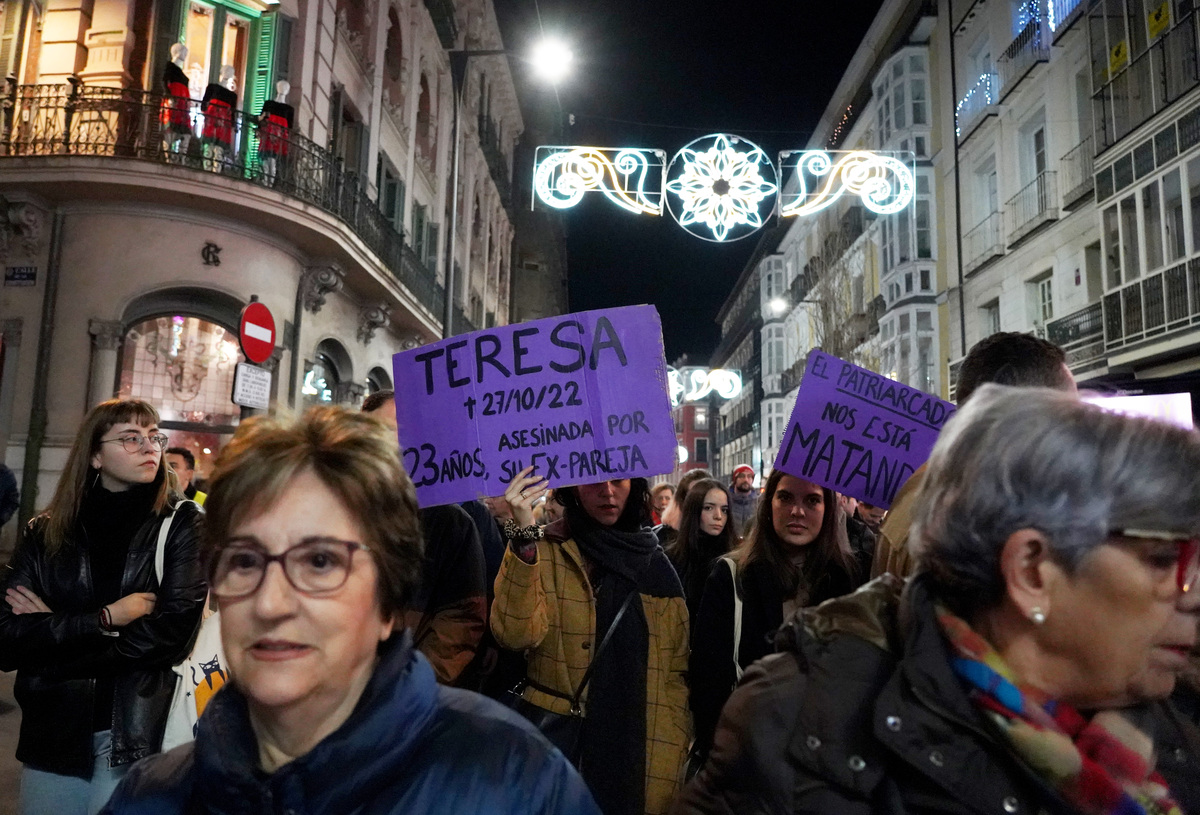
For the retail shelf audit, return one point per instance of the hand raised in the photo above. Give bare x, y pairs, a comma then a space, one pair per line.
521, 494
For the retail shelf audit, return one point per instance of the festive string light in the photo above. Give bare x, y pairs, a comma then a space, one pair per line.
982, 85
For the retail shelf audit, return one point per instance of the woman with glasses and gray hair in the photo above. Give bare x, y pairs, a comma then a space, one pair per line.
1058, 557
90, 627
314, 549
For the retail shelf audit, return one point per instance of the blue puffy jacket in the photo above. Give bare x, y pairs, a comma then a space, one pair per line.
410, 746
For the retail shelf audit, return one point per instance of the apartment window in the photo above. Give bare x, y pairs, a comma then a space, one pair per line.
1152, 215
418, 230
908, 283
391, 194
702, 450
1110, 233
924, 373
773, 350
905, 324
1039, 151
991, 318
1040, 294
700, 418
919, 114
926, 280
1173, 216
1193, 174
1129, 238
924, 321
924, 229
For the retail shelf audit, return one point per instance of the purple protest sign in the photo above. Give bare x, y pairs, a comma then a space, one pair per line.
858, 432
581, 397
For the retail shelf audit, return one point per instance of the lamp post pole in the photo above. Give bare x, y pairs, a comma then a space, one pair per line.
458, 78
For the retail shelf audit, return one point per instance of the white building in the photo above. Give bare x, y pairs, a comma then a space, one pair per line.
131, 248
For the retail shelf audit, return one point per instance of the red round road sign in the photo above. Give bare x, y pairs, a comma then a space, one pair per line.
256, 331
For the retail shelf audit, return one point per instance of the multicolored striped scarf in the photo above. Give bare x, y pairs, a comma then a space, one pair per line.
1103, 765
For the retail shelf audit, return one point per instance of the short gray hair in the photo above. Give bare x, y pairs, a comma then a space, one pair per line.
1018, 458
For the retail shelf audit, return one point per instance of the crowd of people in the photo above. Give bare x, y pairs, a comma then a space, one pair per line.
1016, 633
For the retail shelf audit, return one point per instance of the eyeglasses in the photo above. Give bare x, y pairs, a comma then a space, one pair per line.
133, 442
314, 566
1187, 568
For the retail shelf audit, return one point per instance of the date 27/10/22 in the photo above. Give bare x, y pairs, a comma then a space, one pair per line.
516, 400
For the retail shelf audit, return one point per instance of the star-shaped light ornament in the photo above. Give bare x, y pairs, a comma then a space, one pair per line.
722, 187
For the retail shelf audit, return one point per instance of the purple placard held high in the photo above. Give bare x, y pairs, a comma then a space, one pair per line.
857, 432
581, 397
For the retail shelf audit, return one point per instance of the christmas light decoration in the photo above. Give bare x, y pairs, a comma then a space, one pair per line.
632, 179
721, 182
884, 183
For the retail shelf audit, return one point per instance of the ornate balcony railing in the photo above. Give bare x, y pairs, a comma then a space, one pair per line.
74, 120
978, 102
1158, 304
982, 243
1027, 49
1078, 171
1080, 335
1034, 205
792, 376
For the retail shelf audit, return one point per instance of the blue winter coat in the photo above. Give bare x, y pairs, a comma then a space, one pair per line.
410, 746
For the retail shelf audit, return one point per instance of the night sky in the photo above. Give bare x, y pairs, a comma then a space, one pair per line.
659, 73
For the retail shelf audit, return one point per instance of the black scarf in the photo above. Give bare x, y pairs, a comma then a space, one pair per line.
613, 761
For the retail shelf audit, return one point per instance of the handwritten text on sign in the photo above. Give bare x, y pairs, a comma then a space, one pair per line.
857, 432
582, 398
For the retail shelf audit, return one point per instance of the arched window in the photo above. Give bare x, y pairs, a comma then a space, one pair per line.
184, 366
393, 59
424, 120
329, 368
378, 380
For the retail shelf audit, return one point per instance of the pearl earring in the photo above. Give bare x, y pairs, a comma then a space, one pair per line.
1037, 615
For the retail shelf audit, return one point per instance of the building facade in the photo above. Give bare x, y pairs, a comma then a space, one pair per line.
140, 218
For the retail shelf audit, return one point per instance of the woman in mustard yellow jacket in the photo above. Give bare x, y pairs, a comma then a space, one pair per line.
557, 594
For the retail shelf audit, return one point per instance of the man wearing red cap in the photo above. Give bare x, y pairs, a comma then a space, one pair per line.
743, 500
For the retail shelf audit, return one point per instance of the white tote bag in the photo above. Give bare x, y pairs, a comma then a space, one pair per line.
200, 674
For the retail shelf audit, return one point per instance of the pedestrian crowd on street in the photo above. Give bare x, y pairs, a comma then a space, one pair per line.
1016, 633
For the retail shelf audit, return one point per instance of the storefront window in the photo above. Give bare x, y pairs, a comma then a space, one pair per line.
320, 381
184, 366
214, 36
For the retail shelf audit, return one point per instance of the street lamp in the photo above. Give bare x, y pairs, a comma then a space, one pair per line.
551, 60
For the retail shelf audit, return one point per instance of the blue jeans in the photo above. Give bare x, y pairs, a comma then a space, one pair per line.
44, 793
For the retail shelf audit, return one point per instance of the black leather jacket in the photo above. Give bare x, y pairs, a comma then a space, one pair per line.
58, 656
861, 714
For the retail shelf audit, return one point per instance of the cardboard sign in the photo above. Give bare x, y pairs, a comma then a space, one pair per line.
582, 398
857, 432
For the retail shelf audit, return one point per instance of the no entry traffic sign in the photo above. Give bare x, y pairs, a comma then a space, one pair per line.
256, 331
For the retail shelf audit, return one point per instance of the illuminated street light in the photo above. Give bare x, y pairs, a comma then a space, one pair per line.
778, 305
551, 60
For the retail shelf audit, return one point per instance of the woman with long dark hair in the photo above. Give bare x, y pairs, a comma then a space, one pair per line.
87, 624
796, 555
560, 593
705, 534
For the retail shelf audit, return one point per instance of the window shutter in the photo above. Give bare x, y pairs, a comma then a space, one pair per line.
283, 48
263, 34
11, 36
431, 247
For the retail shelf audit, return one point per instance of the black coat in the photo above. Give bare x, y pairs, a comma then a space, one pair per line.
409, 746
711, 674
58, 656
859, 714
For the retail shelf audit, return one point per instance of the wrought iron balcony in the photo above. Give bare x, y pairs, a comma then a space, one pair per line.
489, 141
442, 13
1080, 335
977, 104
1078, 171
792, 376
1156, 305
1034, 205
1028, 48
114, 123
982, 243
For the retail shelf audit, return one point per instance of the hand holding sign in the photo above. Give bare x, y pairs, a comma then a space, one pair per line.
576, 399
857, 432
522, 493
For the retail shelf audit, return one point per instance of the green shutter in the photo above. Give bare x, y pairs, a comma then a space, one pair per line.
258, 84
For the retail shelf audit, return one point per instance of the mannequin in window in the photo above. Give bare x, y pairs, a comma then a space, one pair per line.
218, 105
274, 131
176, 123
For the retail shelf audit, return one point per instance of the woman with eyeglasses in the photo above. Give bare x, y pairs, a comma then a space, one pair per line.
86, 622
314, 549
1054, 604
